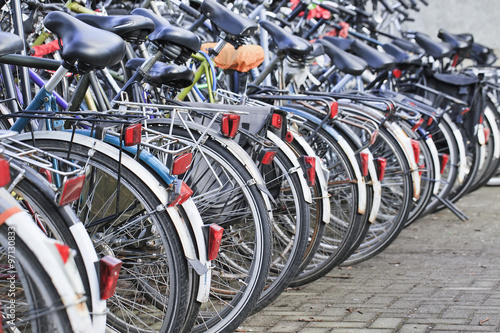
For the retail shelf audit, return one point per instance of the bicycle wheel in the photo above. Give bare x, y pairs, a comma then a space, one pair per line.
125, 219
397, 192
448, 150
345, 222
226, 193
290, 226
30, 300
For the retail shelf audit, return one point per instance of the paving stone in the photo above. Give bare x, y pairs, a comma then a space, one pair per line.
440, 275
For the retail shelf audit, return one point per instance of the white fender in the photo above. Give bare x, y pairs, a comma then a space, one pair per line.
495, 132
377, 187
296, 166
437, 165
320, 173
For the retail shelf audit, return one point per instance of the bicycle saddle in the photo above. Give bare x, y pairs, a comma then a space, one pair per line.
161, 73
10, 43
132, 28
400, 55
91, 46
456, 42
227, 21
435, 49
286, 42
345, 62
342, 43
165, 33
376, 59
407, 45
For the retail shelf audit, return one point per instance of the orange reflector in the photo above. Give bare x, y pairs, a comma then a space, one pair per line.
63, 251
214, 240
364, 163
334, 109
415, 145
381, 165
229, 125
4, 172
133, 135
181, 163
277, 120
109, 271
72, 189
417, 124
443, 160
181, 193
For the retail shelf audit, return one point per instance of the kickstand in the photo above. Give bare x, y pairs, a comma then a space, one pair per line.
454, 209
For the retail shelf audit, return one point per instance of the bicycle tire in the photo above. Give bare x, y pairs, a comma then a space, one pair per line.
137, 244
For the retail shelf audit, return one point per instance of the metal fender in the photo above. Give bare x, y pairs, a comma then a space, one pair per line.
437, 165
405, 143
296, 166
377, 187
236, 150
156, 187
360, 180
320, 173
462, 168
495, 132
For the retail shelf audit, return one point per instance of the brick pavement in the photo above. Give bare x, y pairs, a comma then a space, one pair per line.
440, 275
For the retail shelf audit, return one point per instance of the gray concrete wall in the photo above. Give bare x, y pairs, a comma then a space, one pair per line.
479, 17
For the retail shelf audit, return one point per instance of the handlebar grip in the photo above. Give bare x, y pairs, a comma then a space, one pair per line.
425, 2
404, 4
190, 10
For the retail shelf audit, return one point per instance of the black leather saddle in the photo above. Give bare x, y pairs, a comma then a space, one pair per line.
345, 62
456, 42
84, 43
161, 73
435, 49
287, 43
227, 21
165, 33
374, 58
10, 43
132, 28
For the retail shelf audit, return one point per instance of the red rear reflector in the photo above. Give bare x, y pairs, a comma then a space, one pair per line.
277, 120
181, 163
4, 172
110, 269
64, 251
229, 125
364, 163
381, 165
417, 124
444, 160
267, 156
415, 145
289, 136
214, 239
334, 109
429, 122
133, 135
487, 133
310, 165
464, 111
397, 73
72, 189
182, 192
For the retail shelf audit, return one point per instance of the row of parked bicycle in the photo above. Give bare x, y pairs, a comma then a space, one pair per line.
176, 166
